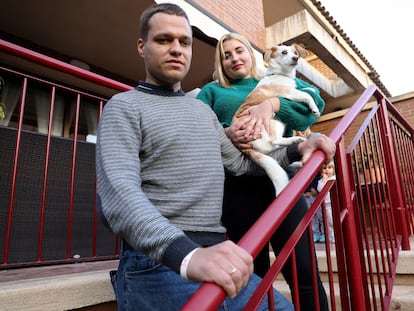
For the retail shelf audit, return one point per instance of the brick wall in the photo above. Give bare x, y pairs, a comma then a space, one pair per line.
327, 126
245, 17
405, 106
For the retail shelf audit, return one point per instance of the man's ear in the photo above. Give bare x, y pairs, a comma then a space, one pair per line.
140, 47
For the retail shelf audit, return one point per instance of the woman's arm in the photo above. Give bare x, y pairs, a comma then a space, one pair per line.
295, 115
255, 117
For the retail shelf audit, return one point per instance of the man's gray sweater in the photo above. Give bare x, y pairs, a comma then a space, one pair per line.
160, 160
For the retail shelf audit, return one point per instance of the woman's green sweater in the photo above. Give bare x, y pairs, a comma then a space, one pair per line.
225, 102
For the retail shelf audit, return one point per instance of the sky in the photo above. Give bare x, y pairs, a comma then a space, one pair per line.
383, 32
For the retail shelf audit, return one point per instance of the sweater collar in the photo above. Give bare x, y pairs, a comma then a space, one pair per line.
245, 81
157, 89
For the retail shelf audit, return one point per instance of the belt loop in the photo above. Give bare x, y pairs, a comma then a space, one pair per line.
124, 246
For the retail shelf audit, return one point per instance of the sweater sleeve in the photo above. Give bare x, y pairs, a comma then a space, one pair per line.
297, 115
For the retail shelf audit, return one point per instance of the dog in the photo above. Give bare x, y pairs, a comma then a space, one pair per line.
279, 80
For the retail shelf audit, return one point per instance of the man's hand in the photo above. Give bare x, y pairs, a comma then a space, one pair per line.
238, 134
225, 264
321, 142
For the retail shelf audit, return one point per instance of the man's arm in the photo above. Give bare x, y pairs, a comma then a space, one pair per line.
230, 266
294, 152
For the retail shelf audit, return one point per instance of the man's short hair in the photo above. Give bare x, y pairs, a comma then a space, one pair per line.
166, 8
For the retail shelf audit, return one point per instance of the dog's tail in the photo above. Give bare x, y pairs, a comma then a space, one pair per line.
276, 173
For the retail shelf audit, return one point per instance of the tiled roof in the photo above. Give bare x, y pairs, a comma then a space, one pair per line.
375, 77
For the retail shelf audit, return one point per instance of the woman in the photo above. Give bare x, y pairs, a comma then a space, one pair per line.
246, 197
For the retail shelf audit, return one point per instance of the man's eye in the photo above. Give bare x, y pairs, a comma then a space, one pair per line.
163, 40
186, 43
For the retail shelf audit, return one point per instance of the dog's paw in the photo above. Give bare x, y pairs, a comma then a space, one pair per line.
298, 139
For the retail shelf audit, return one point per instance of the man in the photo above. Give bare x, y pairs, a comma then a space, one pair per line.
160, 162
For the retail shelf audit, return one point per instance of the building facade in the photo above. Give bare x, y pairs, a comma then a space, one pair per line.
100, 38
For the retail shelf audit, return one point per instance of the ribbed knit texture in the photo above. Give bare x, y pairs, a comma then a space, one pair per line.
159, 162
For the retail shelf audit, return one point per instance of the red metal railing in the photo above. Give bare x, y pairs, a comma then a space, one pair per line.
372, 198
372, 207
48, 180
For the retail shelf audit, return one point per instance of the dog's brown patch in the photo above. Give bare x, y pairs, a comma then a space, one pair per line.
260, 94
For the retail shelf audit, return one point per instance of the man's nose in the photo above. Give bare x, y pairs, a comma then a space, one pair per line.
176, 46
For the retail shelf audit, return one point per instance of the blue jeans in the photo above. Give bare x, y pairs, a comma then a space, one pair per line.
141, 284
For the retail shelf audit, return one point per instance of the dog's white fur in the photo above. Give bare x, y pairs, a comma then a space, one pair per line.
278, 81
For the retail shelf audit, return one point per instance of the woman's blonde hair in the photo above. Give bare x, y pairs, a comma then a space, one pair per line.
219, 75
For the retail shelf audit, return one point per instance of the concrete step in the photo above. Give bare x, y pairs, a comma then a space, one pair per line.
405, 264
403, 289
57, 287
402, 295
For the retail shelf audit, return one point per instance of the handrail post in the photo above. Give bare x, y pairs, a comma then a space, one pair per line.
391, 167
350, 229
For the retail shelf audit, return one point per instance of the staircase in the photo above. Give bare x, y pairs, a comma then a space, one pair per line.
402, 292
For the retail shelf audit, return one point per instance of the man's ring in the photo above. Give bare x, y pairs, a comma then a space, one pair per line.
232, 271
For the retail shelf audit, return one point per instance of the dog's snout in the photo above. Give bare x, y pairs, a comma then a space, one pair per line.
295, 58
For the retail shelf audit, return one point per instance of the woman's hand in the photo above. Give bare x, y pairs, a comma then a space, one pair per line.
259, 116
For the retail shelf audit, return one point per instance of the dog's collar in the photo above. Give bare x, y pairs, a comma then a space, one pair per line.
275, 74
278, 74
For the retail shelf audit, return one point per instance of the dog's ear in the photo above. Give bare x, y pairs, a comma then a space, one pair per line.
301, 50
269, 53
